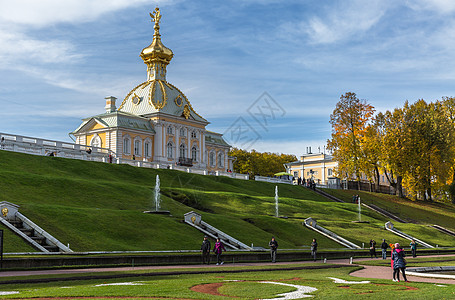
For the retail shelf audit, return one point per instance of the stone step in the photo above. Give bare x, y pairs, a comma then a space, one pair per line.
39, 240
51, 248
27, 232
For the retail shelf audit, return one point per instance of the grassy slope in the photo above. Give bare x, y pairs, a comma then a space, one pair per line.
97, 206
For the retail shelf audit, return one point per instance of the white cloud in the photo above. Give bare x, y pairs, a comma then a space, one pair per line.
18, 47
348, 20
48, 12
440, 6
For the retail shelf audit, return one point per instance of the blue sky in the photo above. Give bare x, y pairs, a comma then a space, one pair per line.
59, 59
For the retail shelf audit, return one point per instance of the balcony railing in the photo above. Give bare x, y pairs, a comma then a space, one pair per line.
184, 161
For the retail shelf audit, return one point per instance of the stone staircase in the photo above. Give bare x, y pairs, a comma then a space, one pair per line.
28, 230
194, 219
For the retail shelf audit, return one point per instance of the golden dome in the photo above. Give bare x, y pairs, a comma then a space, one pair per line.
156, 51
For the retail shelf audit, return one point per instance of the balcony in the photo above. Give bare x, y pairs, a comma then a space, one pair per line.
183, 161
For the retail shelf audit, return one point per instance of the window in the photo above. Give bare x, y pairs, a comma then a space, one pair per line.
212, 159
383, 179
329, 172
193, 134
170, 130
182, 149
182, 131
194, 153
220, 159
137, 147
96, 141
169, 150
147, 149
296, 174
126, 145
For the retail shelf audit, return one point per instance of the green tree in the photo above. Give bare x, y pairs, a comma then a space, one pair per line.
257, 163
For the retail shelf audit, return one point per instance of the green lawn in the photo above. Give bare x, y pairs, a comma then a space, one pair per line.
97, 206
249, 285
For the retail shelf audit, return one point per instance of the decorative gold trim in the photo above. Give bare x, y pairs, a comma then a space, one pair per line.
186, 111
129, 94
4, 212
139, 99
187, 101
158, 105
176, 101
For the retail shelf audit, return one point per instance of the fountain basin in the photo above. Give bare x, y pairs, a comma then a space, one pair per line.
157, 212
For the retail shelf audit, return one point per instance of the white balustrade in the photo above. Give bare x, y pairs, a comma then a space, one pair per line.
44, 147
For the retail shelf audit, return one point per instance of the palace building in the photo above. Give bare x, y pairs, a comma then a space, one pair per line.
156, 122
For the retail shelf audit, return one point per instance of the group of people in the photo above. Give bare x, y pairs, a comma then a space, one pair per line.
397, 257
218, 249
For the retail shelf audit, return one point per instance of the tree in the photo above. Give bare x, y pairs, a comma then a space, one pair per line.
349, 122
257, 163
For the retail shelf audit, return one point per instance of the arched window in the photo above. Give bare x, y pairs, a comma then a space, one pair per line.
182, 149
194, 153
147, 148
182, 131
193, 134
212, 159
96, 141
126, 145
170, 150
170, 130
220, 159
137, 146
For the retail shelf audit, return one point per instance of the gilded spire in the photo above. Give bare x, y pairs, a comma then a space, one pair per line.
156, 56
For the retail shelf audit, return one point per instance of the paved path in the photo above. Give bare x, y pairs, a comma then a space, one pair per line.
386, 272
368, 271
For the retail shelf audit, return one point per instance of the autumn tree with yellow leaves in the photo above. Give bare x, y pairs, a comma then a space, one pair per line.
350, 121
413, 146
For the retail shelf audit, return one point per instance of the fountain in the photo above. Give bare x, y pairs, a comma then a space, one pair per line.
156, 195
359, 209
276, 201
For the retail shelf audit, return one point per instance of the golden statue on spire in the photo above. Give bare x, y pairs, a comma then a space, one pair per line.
156, 16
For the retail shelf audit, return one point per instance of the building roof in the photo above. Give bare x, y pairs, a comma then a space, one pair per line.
159, 96
118, 119
215, 138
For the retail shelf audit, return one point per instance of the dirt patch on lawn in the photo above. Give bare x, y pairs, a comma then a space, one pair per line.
210, 288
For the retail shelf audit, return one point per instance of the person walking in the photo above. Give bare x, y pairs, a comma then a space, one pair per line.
205, 248
373, 249
413, 245
399, 263
314, 249
384, 247
218, 249
273, 244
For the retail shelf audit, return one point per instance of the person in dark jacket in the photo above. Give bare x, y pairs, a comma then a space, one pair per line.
399, 263
273, 244
314, 249
413, 245
373, 249
205, 248
384, 247
218, 249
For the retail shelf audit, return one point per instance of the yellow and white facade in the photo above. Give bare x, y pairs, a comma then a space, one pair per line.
155, 121
319, 167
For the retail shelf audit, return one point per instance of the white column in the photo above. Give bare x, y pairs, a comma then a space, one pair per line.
158, 142
188, 142
177, 142
202, 150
